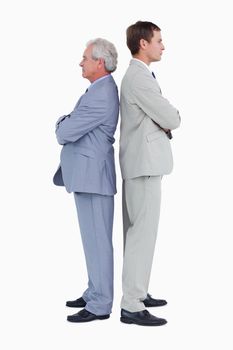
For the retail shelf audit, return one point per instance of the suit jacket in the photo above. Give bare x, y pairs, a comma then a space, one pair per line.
144, 146
87, 157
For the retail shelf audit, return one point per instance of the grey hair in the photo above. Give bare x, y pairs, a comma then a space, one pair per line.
103, 48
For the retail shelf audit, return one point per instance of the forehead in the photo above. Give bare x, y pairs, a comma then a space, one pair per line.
88, 51
157, 35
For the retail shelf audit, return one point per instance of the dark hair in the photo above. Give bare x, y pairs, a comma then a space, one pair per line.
136, 32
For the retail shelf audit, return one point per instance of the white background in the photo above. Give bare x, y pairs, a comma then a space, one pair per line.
42, 261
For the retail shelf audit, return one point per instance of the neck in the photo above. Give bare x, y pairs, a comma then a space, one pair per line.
98, 76
142, 58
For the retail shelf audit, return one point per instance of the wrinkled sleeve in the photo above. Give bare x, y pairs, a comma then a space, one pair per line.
149, 98
83, 119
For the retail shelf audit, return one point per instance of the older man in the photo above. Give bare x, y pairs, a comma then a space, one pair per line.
87, 169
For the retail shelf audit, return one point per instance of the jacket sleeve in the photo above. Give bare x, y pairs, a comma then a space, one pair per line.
149, 98
60, 120
83, 119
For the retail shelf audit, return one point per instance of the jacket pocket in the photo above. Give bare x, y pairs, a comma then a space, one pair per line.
155, 135
85, 152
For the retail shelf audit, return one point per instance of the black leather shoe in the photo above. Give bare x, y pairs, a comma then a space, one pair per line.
150, 302
80, 302
85, 316
142, 318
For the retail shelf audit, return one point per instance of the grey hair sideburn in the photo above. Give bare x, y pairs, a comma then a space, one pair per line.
103, 48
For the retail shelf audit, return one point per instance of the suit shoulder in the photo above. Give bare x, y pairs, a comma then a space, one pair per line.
139, 78
105, 85
104, 93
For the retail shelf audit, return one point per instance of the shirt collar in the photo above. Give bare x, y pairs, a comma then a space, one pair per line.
97, 80
136, 59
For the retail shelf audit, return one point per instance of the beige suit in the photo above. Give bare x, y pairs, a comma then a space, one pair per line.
145, 155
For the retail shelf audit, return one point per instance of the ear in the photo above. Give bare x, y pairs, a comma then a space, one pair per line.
101, 62
143, 44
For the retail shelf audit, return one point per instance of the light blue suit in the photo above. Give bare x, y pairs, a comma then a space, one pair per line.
87, 168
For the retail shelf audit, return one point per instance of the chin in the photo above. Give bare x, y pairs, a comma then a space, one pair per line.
157, 59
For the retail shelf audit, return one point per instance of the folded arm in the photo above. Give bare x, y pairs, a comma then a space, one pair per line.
82, 120
158, 108
61, 120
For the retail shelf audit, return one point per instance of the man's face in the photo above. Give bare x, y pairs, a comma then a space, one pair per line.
155, 47
89, 65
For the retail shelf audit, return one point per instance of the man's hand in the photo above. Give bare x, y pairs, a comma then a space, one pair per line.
168, 132
61, 119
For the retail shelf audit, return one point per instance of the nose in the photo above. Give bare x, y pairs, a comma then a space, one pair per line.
81, 63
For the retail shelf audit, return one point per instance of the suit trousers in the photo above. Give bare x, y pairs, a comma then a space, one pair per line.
95, 215
141, 199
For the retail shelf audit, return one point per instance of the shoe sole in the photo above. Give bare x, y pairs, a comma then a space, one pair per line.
147, 305
76, 306
104, 317
128, 321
